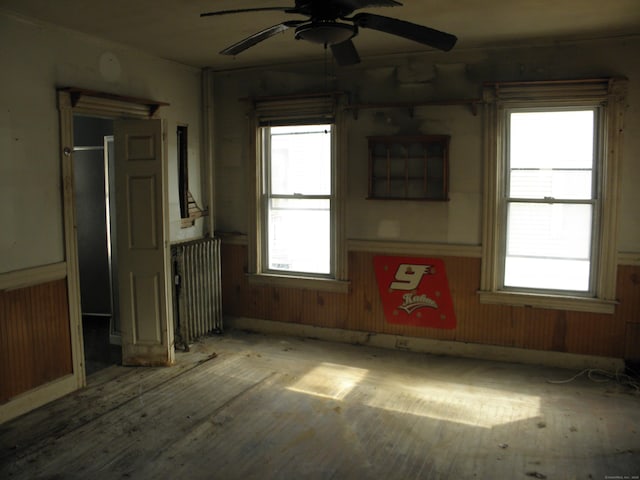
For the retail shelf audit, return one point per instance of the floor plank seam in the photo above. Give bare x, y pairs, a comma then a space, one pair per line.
240, 394
56, 435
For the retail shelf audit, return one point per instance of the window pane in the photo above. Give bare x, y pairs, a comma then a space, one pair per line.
551, 238
301, 160
558, 184
549, 230
300, 235
551, 154
547, 274
552, 139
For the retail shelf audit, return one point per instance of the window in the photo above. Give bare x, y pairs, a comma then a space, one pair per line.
550, 200
183, 172
296, 236
297, 197
549, 226
189, 209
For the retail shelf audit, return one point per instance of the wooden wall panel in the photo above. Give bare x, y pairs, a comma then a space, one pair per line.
361, 309
35, 341
632, 342
629, 293
629, 309
364, 305
595, 334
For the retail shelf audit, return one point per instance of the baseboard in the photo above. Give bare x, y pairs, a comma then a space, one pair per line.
571, 361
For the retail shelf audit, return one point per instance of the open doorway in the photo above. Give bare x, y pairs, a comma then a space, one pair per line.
94, 185
140, 306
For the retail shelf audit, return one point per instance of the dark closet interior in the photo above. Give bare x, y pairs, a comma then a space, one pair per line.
93, 166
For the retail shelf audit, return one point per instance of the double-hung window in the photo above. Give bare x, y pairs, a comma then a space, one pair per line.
551, 199
549, 231
297, 194
298, 229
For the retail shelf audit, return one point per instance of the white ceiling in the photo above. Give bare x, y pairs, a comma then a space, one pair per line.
173, 29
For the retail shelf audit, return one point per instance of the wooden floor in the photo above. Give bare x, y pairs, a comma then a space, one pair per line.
244, 406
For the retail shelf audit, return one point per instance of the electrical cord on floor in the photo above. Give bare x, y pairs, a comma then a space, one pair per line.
605, 376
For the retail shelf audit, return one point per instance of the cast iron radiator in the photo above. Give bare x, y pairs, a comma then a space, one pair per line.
196, 268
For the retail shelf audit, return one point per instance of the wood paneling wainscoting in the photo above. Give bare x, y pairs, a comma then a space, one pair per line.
35, 340
361, 310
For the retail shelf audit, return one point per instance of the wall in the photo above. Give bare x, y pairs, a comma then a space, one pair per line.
35, 59
458, 74
360, 310
415, 78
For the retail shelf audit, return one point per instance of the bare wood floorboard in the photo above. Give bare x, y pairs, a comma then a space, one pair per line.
243, 406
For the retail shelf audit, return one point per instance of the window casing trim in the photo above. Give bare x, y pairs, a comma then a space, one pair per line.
272, 111
607, 95
549, 301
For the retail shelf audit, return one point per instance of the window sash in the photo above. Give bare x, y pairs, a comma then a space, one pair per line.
267, 200
507, 272
559, 256
596, 153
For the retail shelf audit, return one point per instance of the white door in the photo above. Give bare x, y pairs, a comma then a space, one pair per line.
142, 242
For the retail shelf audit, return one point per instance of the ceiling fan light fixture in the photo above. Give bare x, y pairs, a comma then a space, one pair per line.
326, 33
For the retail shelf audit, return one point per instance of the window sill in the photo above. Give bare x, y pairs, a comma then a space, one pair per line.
553, 302
304, 283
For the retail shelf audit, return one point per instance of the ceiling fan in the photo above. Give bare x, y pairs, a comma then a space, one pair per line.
329, 24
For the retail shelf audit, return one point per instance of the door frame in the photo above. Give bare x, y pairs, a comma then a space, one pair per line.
73, 101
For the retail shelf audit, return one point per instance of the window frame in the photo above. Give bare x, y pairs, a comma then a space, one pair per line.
595, 201
267, 195
182, 144
607, 97
309, 109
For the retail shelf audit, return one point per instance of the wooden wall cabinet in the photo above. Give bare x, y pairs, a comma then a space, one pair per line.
409, 167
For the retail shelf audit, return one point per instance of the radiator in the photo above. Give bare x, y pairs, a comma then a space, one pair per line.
198, 293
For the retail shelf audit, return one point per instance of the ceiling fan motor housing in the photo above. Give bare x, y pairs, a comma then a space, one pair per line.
326, 32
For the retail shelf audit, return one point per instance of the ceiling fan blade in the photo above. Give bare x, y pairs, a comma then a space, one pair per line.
345, 53
242, 45
417, 33
244, 10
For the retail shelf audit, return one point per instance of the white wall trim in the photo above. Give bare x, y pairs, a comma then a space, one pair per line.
65, 114
629, 258
32, 276
233, 238
304, 283
414, 248
554, 302
436, 347
382, 246
208, 165
37, 397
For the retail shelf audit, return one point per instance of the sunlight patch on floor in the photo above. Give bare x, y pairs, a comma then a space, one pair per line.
440, 400
330, 380
453, 402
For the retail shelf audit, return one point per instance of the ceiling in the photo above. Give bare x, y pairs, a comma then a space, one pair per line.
173, 29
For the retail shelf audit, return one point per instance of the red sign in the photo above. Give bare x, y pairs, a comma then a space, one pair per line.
415, 291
